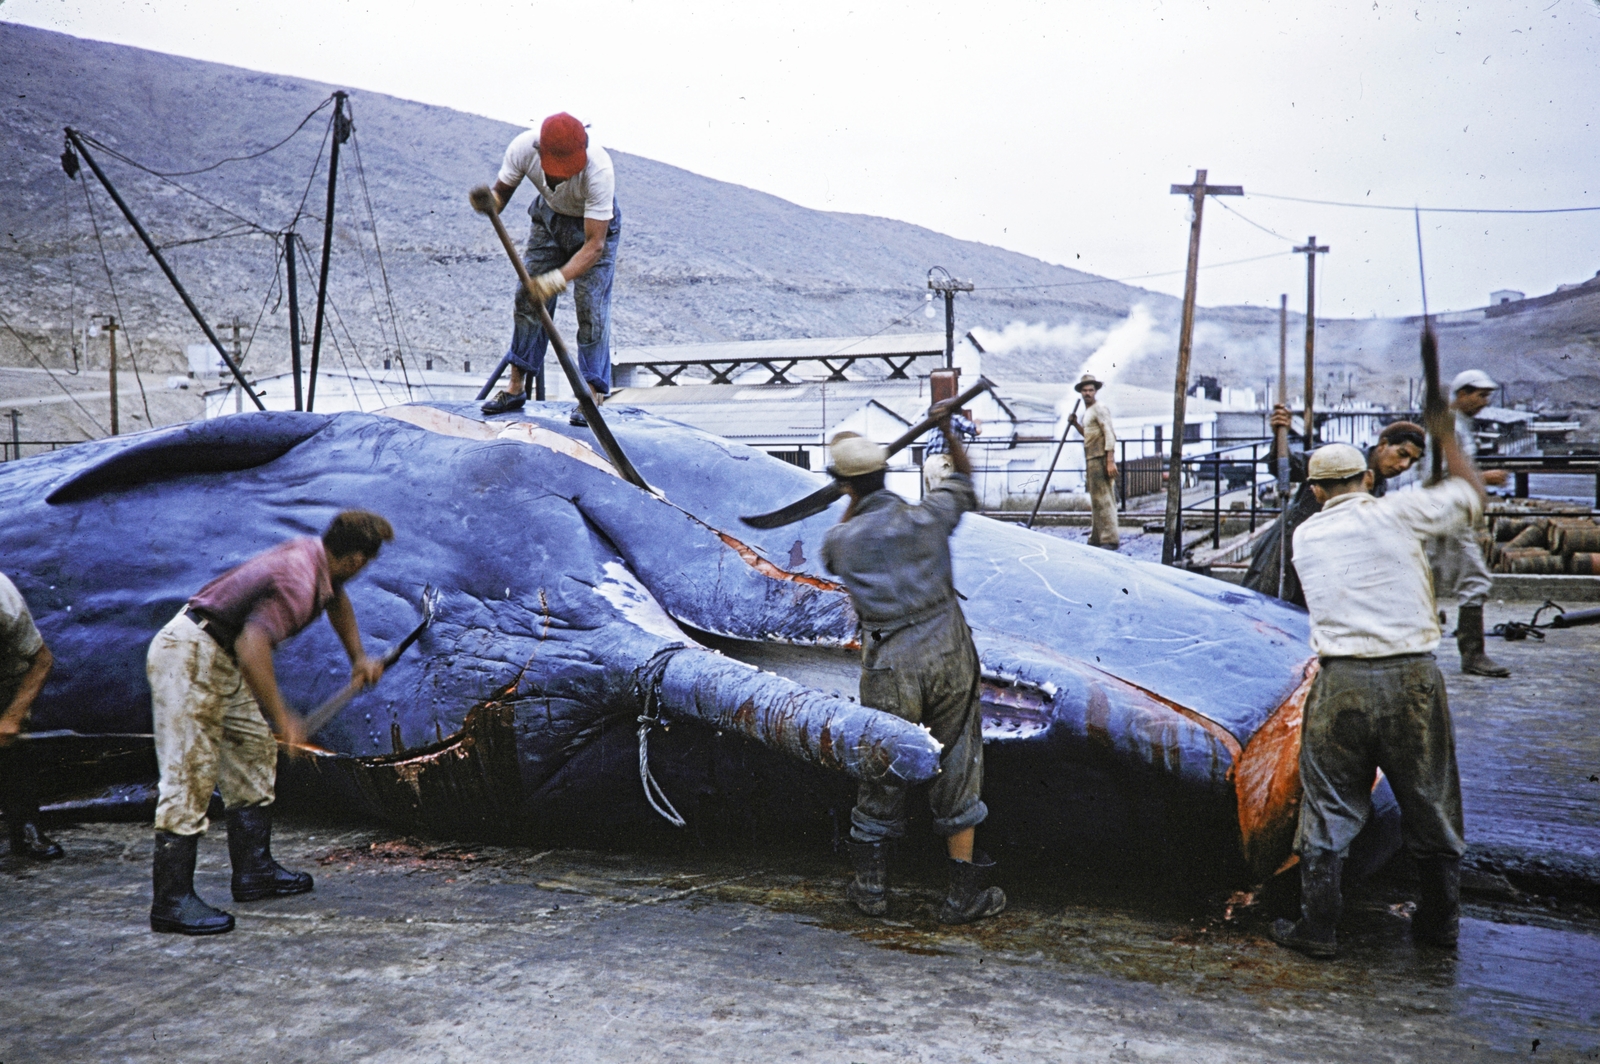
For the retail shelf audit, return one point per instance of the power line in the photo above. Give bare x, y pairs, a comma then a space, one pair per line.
262, 313
1124, 280
1270, 232
115, 154
12, 329
400, 342
1431, 210
219, 162
116, 300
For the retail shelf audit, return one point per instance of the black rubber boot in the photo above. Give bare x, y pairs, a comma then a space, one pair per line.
971, 897
869, 890
1437, 921
177, 908
27, 840
255, 874
19, 804
1469, 638
1316, 932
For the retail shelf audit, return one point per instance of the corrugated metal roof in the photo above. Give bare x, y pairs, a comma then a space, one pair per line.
1504, 416
776, 413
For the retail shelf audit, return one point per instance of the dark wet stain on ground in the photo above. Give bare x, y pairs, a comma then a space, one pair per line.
419, 950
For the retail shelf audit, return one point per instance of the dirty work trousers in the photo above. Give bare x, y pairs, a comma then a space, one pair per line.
208, 727
1364, 714
19, 794
552, 242
1459, 570
1103, 504
926, 673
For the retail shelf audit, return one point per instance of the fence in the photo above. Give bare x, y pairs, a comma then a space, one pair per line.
11, 450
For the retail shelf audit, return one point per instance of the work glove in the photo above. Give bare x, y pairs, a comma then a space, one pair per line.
549, 285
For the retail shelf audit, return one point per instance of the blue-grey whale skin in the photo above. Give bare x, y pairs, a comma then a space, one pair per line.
572, 601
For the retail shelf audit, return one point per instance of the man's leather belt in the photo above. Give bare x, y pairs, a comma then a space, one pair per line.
209, 627
881, 630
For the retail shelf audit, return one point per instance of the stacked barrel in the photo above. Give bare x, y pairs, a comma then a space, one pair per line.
1546, 545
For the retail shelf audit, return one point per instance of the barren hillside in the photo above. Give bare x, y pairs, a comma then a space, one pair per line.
700, 259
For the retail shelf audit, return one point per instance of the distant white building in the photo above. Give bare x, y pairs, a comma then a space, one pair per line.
1021, 422
1505, 295
337, 391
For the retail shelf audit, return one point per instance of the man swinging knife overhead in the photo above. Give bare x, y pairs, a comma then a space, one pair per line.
573, 242
1378, 701
917, 662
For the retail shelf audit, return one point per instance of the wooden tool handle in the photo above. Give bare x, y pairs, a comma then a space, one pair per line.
483, 201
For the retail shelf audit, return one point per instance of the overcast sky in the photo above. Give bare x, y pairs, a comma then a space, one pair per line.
1052, 129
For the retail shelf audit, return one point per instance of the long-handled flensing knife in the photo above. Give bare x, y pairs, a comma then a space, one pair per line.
319, 717
831, 493
483, 201
1052, 470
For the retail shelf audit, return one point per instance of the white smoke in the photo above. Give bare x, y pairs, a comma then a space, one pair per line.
1073, 338
1126, 343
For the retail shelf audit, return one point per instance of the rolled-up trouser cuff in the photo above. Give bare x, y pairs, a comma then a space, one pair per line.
971, 817
867, 828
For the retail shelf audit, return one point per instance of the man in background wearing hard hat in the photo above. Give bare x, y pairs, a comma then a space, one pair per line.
1099, 463
576, 228
1460, 571
1378, 701
917, 662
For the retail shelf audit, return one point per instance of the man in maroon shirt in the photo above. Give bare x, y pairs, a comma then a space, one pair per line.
211, 685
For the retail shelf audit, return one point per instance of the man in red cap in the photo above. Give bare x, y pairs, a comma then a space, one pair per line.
576, 226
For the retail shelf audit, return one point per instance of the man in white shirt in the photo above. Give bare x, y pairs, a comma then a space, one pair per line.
576, 228
1378, 701
24, 663
1099, 463
1459, 569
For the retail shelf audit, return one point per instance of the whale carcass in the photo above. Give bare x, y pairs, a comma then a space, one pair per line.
1129, 708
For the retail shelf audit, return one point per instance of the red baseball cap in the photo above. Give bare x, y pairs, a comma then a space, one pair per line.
562, 145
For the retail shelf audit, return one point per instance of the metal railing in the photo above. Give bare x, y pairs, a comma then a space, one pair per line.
11, 450
1230, 470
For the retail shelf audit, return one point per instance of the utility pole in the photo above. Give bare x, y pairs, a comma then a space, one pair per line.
1311, 251
238, 357
341, 133
1281, 440
111, 334
1172, 542
16, 436
1281, 436
294, 320
948, 286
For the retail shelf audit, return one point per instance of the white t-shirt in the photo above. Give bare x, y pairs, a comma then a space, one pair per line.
1366, 578
588, 193
19, 639
1098, 435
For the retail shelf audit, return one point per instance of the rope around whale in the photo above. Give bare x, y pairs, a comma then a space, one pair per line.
648, 688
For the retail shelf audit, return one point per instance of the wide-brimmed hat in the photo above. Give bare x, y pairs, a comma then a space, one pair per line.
853, 455
563, 146
1335, 461
1088, 379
